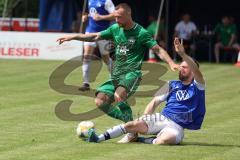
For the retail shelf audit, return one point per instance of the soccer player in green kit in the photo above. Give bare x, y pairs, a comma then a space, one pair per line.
131, 41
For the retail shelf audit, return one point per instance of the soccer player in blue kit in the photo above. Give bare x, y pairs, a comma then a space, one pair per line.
99, 18
185, 108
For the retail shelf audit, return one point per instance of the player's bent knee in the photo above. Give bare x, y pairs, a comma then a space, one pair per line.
87, 57
101, 99
120, 97
218, 45
136, 123
99, 102
169, 141
136, 126
130, 126
120, 94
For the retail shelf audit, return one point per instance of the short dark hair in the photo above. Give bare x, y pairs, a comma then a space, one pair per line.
124, 6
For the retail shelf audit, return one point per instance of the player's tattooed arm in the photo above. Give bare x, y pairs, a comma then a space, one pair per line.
89, 37
165, 56
193, 66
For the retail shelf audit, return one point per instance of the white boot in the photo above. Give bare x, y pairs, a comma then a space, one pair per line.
129, 137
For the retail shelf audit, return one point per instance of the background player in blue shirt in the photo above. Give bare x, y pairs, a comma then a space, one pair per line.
99, 17
185, 108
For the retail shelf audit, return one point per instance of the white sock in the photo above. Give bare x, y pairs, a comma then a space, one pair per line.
114, 132
154, 141
101, 138
150, 140
85, 70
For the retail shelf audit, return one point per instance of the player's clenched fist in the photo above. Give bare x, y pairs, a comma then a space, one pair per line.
179, 48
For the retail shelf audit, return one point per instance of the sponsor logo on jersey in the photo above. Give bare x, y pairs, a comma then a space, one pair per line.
182, 95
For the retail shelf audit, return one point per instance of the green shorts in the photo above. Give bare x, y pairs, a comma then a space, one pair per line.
129, 81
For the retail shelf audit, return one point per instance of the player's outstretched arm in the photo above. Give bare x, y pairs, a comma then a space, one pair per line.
165, 56
89, 37
151, 106
108, 17
193, 66
159, 97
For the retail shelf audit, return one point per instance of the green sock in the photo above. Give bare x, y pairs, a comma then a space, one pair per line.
121, 111
112, 111
126, 111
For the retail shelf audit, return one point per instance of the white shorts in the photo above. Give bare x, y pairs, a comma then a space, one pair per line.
157, 124
102, 45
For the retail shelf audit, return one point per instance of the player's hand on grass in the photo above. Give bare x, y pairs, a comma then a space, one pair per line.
63, 39
179, 48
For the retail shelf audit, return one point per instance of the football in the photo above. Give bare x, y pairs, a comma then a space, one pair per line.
83, 127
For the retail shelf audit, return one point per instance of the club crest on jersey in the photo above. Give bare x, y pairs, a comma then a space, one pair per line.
93, 11
182, 95
123, 49
131, 42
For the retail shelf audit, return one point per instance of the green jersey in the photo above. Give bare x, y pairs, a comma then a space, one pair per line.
153, 26
225, 32
130, 46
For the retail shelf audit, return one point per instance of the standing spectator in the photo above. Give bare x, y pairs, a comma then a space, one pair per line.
226, 32
186, 29
161, 38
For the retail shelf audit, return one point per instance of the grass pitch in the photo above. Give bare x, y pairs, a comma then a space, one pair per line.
30, 130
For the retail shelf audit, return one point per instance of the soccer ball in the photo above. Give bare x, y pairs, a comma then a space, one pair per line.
83, 128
